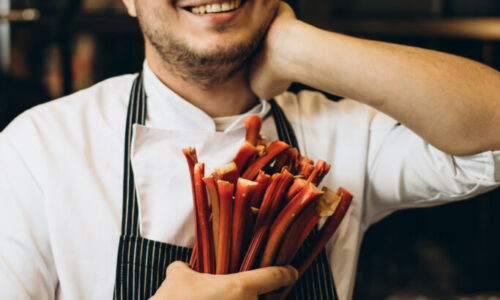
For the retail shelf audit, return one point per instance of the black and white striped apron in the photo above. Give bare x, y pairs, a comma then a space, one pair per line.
142, 263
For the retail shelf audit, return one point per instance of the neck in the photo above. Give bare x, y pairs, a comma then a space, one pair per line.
232, 97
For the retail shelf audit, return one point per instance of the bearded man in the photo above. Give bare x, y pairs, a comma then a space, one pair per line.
95, 195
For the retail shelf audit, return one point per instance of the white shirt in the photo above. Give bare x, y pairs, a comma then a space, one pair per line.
61, 167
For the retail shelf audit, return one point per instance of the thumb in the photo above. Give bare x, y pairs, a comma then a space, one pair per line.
268, 279
178, 266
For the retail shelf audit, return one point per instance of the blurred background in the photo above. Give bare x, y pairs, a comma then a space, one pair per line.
50, 48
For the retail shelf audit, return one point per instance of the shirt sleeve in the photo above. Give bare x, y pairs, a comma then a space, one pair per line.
26, 263
405, 172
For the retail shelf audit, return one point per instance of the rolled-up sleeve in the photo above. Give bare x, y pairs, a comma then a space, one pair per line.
26, 263
404, 172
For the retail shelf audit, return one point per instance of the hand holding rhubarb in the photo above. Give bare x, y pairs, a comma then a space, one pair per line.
182, 283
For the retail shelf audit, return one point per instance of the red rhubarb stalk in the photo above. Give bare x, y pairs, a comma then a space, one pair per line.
246, 152
268, 210
228, 172
323, 236
327, 230
320, 177
267, 201
260, 229
192, 159
226, 190
264, 142
316, 175
261, 150
213, 196
288, 159
252, 216
306, 166
309, 194
245, 189
293, 162
296, 235
253, 125
319, 172
280, 193
273, 198
254, 248
281, 161
298, 232
205, 239
273, 150
297, 185
193, 261
263, 181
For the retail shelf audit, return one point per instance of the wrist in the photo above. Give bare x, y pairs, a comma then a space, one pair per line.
292, 53
281, 41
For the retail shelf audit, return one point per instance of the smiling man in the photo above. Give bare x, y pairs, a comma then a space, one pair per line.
95, 194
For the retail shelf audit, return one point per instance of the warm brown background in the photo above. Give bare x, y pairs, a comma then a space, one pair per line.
449, 252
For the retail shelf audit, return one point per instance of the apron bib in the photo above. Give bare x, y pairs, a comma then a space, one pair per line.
142, 264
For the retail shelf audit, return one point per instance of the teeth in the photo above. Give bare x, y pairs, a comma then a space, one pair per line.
217, 7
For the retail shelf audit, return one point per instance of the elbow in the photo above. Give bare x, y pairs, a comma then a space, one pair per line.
466, 146
475, 134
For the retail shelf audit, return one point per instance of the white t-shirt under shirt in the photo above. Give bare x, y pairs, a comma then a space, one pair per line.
61, 167
223, 123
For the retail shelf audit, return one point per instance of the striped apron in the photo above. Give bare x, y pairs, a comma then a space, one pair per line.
142, 263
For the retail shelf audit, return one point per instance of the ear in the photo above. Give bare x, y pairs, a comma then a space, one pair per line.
130, 5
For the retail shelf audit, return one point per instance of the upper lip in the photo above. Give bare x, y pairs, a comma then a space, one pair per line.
200, 3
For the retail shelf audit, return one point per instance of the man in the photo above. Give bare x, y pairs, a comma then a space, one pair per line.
63, 174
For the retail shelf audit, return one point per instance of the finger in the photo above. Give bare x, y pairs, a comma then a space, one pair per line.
285, 8
268, 279
177, 266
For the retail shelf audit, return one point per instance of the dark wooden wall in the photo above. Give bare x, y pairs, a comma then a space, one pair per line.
438, 252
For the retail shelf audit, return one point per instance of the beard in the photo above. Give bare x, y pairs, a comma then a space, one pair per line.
207, 68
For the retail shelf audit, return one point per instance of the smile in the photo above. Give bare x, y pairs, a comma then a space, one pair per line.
216, 7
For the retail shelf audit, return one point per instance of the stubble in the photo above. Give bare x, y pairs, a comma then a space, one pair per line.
206, 69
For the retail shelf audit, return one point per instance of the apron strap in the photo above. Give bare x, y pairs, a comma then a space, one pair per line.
136, 114
287, 135
285, 130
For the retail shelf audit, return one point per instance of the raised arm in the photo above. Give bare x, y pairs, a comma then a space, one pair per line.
451, 102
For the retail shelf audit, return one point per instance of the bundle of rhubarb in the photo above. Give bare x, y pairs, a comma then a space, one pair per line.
258, 210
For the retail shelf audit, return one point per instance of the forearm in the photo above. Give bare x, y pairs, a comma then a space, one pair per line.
452, 102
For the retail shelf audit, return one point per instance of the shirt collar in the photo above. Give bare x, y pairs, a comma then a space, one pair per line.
168, 110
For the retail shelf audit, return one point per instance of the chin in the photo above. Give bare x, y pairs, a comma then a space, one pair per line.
224, 42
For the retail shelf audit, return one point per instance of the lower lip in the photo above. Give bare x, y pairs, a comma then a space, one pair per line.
223, 17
